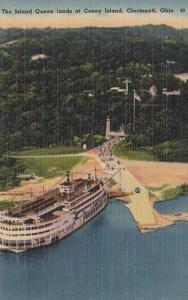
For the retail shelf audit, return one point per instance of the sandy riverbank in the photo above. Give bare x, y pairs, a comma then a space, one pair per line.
150, 173
31, 188
136, 173
155, 174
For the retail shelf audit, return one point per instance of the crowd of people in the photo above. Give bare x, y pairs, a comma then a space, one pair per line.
106, 154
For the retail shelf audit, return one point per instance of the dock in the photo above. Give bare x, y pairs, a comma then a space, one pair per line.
117, 195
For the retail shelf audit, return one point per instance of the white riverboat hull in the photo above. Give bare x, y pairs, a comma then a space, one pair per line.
73, 225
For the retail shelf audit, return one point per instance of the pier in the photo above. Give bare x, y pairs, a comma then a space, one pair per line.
138, 199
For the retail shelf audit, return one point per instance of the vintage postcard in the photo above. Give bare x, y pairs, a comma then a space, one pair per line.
93, 150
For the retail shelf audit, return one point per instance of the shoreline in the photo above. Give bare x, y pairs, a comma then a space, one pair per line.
155, 175
140, 205
160, 220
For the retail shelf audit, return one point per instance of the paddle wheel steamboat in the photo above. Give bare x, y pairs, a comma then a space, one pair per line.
52, 215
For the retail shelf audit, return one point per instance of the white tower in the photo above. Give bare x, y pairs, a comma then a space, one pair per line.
107, 127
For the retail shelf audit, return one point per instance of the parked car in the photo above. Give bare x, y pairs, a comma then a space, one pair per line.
137, 190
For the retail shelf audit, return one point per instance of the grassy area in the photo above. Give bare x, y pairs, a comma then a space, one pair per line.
124, 151
172, 193
171, 151
111, 183
156, 188
49, 167
50, 151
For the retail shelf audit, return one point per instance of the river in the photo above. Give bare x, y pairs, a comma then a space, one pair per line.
107, 259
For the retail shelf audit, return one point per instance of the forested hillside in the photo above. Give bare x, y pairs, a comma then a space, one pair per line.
46, 76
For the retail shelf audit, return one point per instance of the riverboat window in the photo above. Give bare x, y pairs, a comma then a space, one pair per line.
28, 242
4, 228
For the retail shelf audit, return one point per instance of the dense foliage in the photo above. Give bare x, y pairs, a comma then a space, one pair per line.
45, 101
9, 169
171, 151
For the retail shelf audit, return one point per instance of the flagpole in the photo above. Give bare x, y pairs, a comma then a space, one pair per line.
134, 111
126, 93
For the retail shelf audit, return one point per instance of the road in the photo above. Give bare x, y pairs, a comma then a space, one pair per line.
140, 205
44, 156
